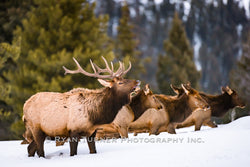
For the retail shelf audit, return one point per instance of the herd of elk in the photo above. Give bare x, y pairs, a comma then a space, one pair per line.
177, 109
118, 108
219, 104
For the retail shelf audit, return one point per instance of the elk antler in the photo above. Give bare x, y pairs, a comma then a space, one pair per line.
97, 70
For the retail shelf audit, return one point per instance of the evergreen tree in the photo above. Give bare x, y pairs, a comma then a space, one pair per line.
11, 14
176, 66
217, 55
126, 44
53, 33
9, 54
240, 77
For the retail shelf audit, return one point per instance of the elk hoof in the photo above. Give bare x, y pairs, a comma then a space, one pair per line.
92, 152
41, 156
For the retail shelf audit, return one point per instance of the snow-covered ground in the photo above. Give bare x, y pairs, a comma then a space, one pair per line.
227, 145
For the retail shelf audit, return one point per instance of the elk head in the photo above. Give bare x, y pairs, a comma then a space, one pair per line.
195, 100
178, 91
113, 80
144, 100
150, 100
235, 99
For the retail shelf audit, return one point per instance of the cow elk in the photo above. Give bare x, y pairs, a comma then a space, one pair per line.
175, 111
220, 104
74, 114
144, 100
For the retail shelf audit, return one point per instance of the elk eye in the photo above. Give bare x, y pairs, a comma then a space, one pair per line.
120, 83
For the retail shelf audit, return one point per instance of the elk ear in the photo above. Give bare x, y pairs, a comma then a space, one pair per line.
147, 90
185, 90
174, 88
223, 89
105, 83
188, 86
229, 91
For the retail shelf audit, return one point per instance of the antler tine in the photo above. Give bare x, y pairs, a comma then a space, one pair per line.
118, 73
100, 70
107, 66
92, 65
125, 72
97, 70
112, 66
80, 70
107, 69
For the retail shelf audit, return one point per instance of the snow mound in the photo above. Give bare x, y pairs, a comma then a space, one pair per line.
227, 145
241, 123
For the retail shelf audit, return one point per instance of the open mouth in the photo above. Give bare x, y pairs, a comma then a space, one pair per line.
242, 106
207, 108
136, 89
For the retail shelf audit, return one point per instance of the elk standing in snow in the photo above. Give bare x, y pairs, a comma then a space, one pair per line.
73, 114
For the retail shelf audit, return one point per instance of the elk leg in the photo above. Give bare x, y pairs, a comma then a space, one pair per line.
39, 138
112, 135
171, 128
154, 130
138, 131
145, 130
100, 136
24, 142
108, 128
31, 149
198, 125
73, 147
123, 132
117, 136
134, 126
135, 133
186, 123
74, 138
162, 129
91, 143
60, 143
211, 124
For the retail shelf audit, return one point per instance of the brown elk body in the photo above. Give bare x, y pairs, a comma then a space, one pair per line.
220, 104
73, 114
175, 111
129, 113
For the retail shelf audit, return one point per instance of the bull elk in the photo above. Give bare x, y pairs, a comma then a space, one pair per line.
74, 114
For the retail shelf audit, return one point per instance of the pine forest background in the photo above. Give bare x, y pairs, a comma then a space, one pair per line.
167, 41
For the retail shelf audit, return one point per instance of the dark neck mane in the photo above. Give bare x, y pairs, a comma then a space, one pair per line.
178, 109
137, 105
219, 104
104, 104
